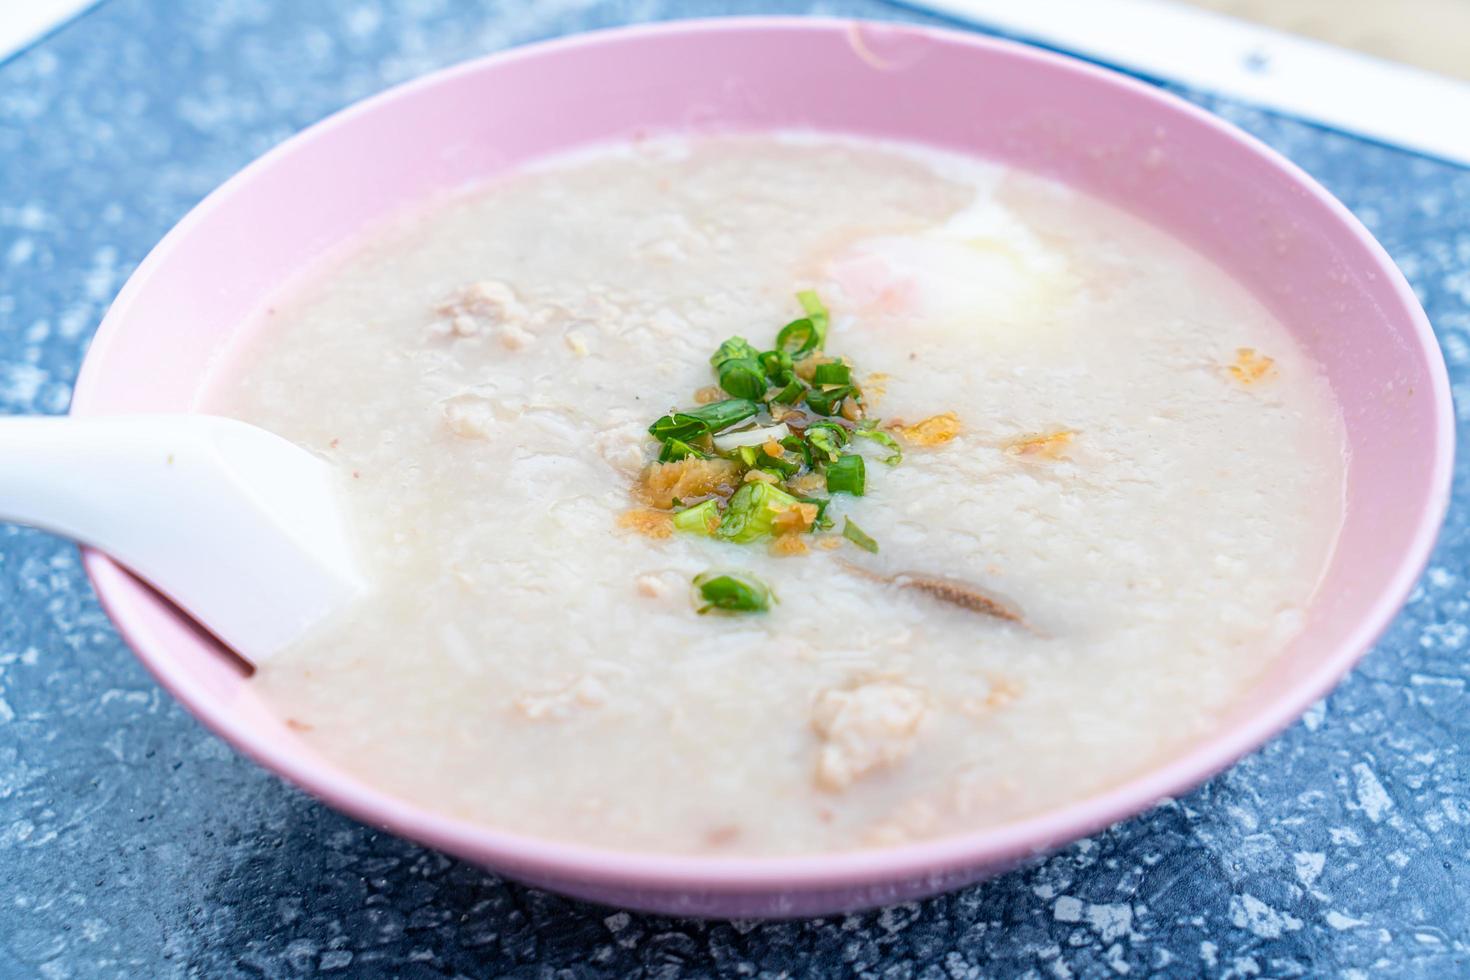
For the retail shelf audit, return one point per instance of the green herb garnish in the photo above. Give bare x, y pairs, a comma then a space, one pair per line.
798, 339
868, 429
847, 475
784, 466
676, 449
734, 349
732, 592
743, 378
738, 366
817, 313
704, 420
855, 534
791, 393
796, 444
753, 511
828, 400
826, 440
755, 491
832, 373
777, 365
700, 519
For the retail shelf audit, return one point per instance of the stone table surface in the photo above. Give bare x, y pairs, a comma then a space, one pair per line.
135, 844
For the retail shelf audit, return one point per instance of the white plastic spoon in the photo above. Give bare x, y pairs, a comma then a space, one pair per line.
240, 528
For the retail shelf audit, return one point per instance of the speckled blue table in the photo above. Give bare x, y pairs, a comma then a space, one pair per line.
133, 843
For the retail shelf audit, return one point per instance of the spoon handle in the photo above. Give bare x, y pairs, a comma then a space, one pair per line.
242, 529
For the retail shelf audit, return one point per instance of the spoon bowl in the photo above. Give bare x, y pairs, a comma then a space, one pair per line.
239, 528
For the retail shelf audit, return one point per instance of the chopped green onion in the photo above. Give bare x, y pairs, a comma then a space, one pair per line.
828, 401
817, 313
677, 449
797, 444
847, 475
713, 417
868, 429
743, 377
784, 466
739, 429
832, 373
798, 338
791, 394
776, 364
721, 415
677, 426
855, 534
753, 510
822, 522
700, 519
826, 438
731, 592
734, 349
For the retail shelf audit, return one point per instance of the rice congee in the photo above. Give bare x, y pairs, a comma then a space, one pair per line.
786, 494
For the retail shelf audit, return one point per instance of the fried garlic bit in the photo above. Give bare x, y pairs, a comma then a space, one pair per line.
875, 386
647, 522
933, 431
788, 545
687, 480
808, 484
709, 393
1251, 366
797, 519
1046, 445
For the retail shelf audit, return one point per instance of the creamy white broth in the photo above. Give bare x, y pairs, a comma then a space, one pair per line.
483, 374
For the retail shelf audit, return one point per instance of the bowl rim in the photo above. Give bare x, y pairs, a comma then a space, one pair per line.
554, 860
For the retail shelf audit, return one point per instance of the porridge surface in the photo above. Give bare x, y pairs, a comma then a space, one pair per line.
1145, 465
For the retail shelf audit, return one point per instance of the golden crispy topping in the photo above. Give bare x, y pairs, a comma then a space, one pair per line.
1251, 366
688, 480
709, 393
851, 410
808, 484
647, 522
933, 431
796, 519
760, 476
1050, 445
830, 542
789, 544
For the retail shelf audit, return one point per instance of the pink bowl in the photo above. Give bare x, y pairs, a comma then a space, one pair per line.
1238, 202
